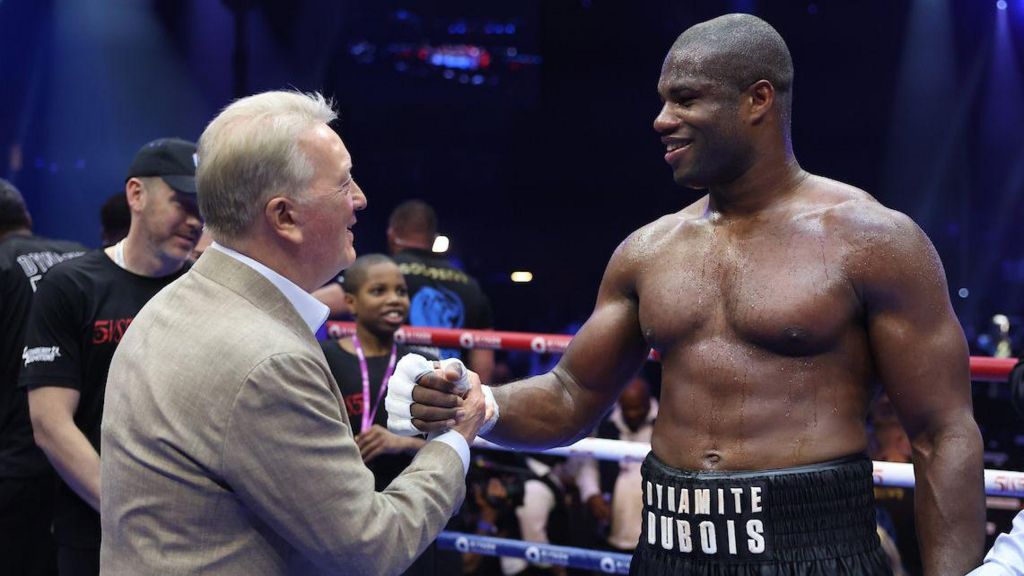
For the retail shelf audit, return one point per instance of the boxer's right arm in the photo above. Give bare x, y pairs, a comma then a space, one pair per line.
563, 405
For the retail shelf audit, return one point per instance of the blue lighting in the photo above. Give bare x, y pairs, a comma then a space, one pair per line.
1001, 4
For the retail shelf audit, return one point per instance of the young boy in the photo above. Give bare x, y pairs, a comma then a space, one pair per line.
376, 293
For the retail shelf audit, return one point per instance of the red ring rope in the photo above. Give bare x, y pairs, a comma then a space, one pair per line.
983, 368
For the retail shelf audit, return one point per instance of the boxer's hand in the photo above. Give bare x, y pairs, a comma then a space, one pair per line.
423, 398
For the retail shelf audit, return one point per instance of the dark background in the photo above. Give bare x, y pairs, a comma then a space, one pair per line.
547, 160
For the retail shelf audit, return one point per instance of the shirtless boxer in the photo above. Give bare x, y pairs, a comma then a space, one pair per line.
779, 302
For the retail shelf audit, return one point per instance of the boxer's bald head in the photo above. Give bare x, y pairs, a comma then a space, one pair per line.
736, 50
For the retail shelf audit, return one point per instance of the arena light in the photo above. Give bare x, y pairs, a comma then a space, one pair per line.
1001, 4
441, 244
522, 276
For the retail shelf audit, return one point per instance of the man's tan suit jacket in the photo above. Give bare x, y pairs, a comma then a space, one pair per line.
225, 449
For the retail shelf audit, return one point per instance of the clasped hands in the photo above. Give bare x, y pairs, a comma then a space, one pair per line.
429, 396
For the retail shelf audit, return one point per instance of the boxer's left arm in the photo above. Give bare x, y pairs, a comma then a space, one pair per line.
921, 357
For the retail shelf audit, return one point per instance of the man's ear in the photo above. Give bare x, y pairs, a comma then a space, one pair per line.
135, 192
759, 98
350, 300
280, 215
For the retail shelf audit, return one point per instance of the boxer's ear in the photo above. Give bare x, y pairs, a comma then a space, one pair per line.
758, 100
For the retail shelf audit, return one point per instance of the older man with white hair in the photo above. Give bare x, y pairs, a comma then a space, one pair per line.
226, 447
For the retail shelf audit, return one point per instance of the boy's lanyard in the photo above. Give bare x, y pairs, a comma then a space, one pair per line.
368, 412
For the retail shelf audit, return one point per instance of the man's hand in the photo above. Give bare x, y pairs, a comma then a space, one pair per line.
472, 415
377, 440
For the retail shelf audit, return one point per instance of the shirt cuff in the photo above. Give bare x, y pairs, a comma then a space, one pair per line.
459, 444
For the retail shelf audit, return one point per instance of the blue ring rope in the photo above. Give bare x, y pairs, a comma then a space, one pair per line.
535, 553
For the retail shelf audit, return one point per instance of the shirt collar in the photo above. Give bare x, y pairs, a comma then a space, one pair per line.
313, 312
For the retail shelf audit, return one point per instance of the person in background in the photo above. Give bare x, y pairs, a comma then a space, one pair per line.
440, 294
26, 478
376, 294
612, 491
115, 219
78, 317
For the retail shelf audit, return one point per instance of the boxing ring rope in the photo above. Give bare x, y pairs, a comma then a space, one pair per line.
536, 553
983, 368
1005, 483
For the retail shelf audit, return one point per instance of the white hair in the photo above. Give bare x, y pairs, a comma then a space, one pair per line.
250, 153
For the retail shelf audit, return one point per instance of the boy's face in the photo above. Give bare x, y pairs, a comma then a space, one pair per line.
382, 303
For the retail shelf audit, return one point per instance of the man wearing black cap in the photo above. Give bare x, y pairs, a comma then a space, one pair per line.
81, 311
26, 478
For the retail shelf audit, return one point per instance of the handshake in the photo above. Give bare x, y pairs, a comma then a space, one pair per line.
427, 397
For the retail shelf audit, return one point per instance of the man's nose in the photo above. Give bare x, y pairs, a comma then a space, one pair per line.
358, 198
665, 121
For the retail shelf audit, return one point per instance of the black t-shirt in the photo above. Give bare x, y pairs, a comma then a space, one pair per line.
81, 310
23, 261
441, 295
345, 368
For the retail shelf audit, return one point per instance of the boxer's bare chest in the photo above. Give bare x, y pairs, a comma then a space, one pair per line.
777, 285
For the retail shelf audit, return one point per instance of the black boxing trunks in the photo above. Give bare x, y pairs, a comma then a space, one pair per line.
809, 520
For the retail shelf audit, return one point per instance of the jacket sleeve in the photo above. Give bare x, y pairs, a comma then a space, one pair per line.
291, 459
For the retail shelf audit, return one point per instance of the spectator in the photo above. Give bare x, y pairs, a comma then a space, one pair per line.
612, 491
26, 478
80, 313
376, 293
115, 218
440, 294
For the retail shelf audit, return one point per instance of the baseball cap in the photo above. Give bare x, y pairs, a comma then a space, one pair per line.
172, 159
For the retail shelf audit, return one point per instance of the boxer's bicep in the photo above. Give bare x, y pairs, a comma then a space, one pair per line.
921, 357
917, 345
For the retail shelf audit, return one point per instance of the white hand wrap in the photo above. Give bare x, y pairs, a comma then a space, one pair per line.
489, 401
399, 399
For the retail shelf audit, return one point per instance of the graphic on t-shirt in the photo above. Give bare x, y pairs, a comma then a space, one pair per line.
104, 331
436, 306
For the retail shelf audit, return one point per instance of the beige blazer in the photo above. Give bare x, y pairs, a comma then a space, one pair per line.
225, 449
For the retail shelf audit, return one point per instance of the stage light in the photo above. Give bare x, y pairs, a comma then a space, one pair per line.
964, 293
522, 276
1001, 4
440, 245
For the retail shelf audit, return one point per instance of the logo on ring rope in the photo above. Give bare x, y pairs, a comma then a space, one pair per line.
462, 544
466, 340
533, 554
539, 345
608, 565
